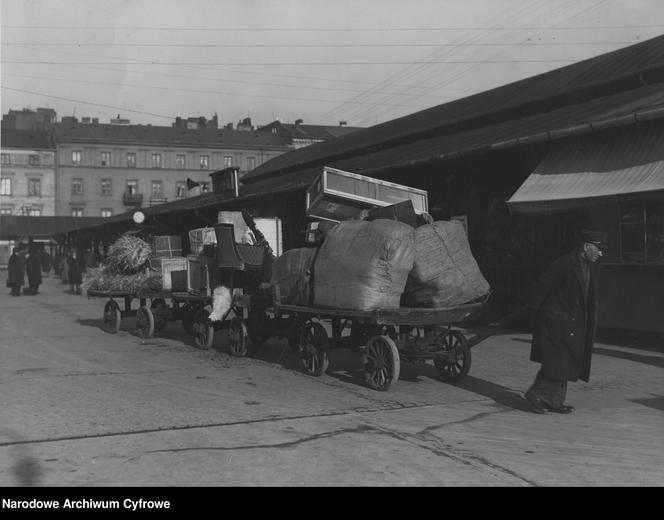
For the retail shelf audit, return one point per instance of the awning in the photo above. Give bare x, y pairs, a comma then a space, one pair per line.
595, 170
17, 226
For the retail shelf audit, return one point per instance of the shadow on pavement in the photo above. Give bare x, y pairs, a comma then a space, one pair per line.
656, 402
631, 356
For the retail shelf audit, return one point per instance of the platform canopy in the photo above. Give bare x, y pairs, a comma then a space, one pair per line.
13, 227
595, 170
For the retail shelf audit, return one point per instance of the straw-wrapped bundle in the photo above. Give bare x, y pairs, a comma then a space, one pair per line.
103, 279
128, 255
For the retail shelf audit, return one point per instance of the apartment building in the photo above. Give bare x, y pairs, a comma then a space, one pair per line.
27, 175
107, 169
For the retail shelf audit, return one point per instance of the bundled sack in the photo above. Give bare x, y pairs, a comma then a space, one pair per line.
290, 282
445, 272
105, 279
364, 265
128, 255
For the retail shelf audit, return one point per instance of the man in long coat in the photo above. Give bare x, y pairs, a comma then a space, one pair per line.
565, 309
15, 268
33, 268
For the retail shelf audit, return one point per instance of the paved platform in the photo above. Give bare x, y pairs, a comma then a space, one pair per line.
82, 407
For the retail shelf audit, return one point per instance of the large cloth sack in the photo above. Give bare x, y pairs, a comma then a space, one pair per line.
363, 265
290, 282
445, 272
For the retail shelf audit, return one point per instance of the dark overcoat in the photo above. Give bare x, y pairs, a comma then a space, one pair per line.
15, 271
565, 320
74, 271
33, 268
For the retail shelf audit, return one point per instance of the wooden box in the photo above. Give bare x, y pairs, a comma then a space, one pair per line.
197, 275
167, 246
338, 195
169, 265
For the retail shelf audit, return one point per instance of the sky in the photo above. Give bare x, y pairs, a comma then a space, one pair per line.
359, 61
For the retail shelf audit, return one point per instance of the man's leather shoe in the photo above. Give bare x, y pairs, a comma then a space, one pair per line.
536, 403
559, 408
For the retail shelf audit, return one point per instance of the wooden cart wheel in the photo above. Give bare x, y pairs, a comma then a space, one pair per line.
145, 322
158, 307
313, 348
456, 371
202, 329
112, 316
237, 338
381, 363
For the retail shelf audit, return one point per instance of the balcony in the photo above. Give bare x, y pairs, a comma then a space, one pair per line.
157, 200
132, 199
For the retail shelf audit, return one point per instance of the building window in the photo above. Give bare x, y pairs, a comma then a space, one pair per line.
105, 158
77, 212
132, 187
205, 187
33, 160
34, 187
34, 212
5, 158
205, 162
180, 161
228, 161
156, 160
180, 189
76, 158
77, 186
157, 189
251, 163
106, 212
5, 186
131, 160
642, 232
106, 187
5, 211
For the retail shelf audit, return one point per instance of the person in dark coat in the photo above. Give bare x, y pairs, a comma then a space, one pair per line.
74, 273
15, 268
565, 311
33, 267
47, 262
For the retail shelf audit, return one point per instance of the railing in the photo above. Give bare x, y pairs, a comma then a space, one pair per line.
132, 199
157, 200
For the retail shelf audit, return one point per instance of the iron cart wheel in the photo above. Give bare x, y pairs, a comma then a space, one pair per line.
144, 322
456, 371
313, 348
158, 307
381, 363
237, 338
112, 316
202, 329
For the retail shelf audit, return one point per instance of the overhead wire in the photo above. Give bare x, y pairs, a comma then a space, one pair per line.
415, 67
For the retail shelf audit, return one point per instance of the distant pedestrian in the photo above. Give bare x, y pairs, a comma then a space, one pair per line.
47, 262
89, 260
64, 268
74, 274
15, 268
33, 267
565, 307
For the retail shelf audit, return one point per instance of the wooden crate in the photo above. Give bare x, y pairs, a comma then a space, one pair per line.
197, 275
169, 265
